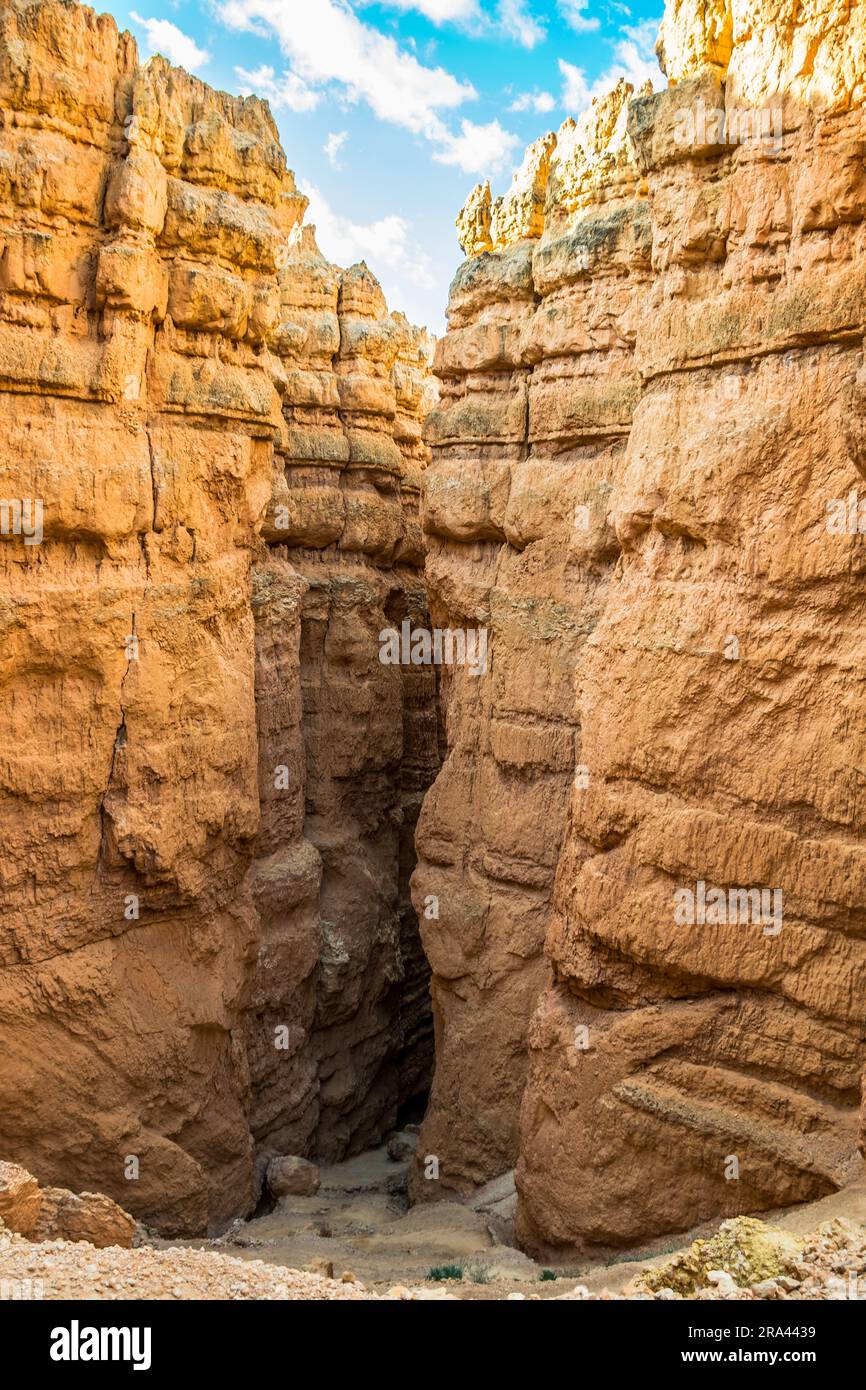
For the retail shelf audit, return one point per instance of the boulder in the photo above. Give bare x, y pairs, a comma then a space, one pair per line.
291, 1176
20, 1199
401, 1147
86, 1216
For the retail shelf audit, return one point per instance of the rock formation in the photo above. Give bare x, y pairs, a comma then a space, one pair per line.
640, 877
52, 1213
650, 427
341, 958
208, 781
538, 385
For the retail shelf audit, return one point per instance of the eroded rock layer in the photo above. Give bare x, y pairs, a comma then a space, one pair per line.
343, 523
661, 326
181, 956
538, 385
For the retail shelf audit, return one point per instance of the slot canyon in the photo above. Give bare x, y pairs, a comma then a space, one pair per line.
266, 894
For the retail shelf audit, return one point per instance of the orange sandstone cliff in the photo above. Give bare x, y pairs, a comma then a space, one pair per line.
209, 470
652, 408
640, 876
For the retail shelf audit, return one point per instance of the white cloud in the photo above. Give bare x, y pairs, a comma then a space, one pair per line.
478, 149
634, 67
286, 91
332, 146
634, 59
635, 56
386, 244
519, 23
512, 18
644, 35
439, 11
572, 12
540, 102
325, 43
575, 88
165, 37
329, 48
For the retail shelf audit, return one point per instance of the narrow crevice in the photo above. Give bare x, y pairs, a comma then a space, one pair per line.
120, 741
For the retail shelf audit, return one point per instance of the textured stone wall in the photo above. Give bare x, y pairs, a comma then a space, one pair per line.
213, 481
354, 382
178, 968
538, 384
666, 324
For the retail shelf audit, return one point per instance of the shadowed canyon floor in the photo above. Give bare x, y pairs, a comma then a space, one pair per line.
358, 1226
358, 1223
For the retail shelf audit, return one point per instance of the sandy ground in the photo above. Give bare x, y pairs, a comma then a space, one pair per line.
358, 1226
359, 1222
59, 1269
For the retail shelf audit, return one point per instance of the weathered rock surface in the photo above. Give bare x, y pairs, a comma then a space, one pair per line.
187, 985
20, 1198
744, 1249
53, 1213
343, 531
211, 477
648, 409
538, 385
87, 1216
291, 1176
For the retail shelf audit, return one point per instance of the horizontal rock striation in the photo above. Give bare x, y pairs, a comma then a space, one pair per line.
360, 737
694, 385
174, 967
538, 385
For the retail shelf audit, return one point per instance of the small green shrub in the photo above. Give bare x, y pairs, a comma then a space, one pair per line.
440, 1272
548, 1274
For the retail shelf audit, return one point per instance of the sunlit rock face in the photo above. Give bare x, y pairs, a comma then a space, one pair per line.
538, 385
175, 973
691, 1048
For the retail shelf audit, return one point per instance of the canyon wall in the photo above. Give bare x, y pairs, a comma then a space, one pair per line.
209, 475
345, 562
537, 385
643, 493
653, 393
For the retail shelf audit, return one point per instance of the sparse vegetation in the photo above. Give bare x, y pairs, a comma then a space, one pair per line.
479, 1274
440, 1272
548, 1274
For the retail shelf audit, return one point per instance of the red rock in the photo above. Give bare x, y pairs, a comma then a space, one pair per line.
20, 1199
187, 982
649, 401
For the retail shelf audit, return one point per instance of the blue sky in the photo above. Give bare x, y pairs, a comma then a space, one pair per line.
391, 110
